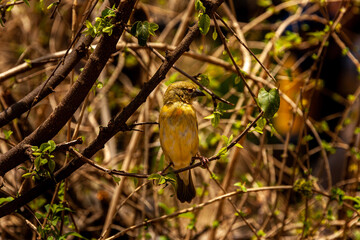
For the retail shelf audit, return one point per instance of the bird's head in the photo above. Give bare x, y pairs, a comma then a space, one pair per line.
182, 91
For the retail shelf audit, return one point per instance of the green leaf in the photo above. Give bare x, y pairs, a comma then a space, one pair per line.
306, 139
199, 6
23, 168
337, 194
44, 147
52, 4
216, 120
273, 130
116, 179
351, 97
214, 35
237, 80
26, 175
7, 199
108, 30
269, 101
215, 116
108, 12
204, 80
215, 223
225, 139
264, 3
133, 28
356, 201
204, 23
189, 215
344, 51
172, 78
37, 163
52, 145
43, 161
238, 145
260, 124
154, 176
168, 210
241, 186
7, 134
222, 151
28, 62
34, 148
261, 233
153, 28
211, 116
90, 29
27, 2
51, 165
162, 180
230, 139
328, 147
142, 32
357, 130
10, 8
214, 176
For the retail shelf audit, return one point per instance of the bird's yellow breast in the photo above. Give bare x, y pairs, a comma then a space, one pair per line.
178, 133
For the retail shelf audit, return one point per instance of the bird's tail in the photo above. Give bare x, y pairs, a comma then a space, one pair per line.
185, 191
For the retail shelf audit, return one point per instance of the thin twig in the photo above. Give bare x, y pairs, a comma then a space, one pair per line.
201, 205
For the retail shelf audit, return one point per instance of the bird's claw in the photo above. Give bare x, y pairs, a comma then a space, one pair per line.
204, 161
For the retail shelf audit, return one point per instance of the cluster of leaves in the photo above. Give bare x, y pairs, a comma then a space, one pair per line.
241, 186
53, 217
103, 24
339, 195
216, 115
160, 179
227, 141
44, 161
204, 19
304, 187
143, 30
289, 40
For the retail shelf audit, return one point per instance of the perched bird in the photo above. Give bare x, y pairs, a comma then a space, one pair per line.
179, 133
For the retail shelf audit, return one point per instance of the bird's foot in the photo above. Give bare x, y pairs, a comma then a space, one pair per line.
204, 161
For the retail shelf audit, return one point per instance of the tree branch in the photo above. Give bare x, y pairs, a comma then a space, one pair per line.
115, 125
47, 87
53, 124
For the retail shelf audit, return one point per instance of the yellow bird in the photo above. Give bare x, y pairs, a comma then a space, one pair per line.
179, 133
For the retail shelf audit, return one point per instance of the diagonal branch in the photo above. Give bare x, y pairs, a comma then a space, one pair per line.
115, 125
64, 67
54, 123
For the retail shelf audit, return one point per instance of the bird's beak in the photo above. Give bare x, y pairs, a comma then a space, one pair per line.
198, 93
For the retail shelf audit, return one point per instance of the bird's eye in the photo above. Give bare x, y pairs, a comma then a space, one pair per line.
190, 90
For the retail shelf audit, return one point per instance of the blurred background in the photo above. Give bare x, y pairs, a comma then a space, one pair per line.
310, 47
